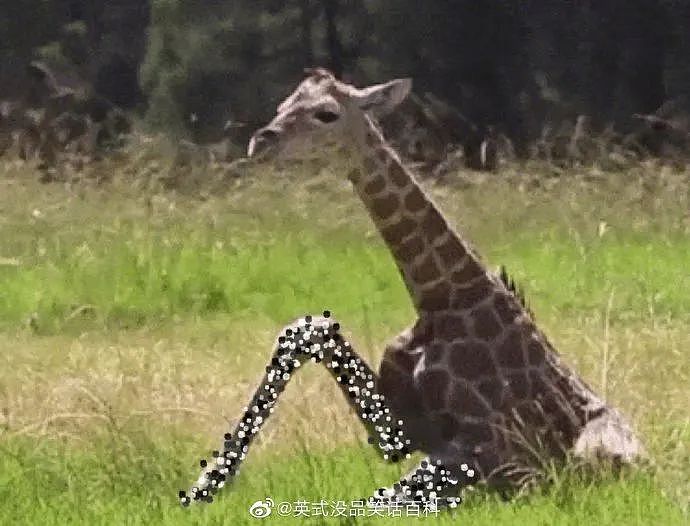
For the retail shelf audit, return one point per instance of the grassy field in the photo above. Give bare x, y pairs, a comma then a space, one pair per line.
135, 322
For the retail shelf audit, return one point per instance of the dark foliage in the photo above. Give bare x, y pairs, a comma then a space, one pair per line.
513, 65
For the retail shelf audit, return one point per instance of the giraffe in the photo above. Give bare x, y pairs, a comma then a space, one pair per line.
474, 380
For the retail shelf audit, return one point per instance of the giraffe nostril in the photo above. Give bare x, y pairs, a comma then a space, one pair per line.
262, 141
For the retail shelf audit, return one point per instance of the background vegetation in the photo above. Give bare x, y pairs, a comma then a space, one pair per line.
509, 63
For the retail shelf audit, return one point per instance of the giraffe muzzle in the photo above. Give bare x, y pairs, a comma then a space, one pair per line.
262, 143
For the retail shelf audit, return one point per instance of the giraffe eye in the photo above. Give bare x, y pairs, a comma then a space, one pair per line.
326, 116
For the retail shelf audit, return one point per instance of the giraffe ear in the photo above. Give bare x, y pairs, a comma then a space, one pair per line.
380, 99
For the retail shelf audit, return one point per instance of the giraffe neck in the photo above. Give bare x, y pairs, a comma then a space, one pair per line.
437, 266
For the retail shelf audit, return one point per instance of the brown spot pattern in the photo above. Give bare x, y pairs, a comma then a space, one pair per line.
506, 308
509, 353
395, 233
466, 401
558, 410
402, 360
436, 298
471, 359
383, 154
434, 353
469, 271
451, 251
535, 351
434, 387
466, 298
475, 432
426, 270
519, 385
486, 324
375, 185
385, 207
409, 249
449, 325
493, 392
434, 224
392, 380
415, 200
540, 388
398, 175
448, 426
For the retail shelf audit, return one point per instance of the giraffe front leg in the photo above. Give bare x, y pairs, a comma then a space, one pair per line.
308, 339
431, 484
360, 386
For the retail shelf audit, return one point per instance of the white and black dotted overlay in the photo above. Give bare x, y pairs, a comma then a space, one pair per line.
317, 339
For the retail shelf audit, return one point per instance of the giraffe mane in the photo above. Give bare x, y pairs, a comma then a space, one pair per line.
515, 289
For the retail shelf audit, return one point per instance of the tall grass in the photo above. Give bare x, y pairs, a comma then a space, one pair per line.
49, 485
119, 259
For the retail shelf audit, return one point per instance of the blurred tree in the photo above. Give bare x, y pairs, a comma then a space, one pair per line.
517, 65
101, 41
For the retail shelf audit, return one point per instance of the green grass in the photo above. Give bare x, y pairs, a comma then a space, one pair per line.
116, 484
151, 276
135, 322
130, 263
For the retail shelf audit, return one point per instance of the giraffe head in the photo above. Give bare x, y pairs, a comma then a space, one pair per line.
319, 114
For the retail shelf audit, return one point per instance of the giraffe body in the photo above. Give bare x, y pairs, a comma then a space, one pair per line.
474, 379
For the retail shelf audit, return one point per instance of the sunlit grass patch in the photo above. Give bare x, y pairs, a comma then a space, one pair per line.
123, 260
